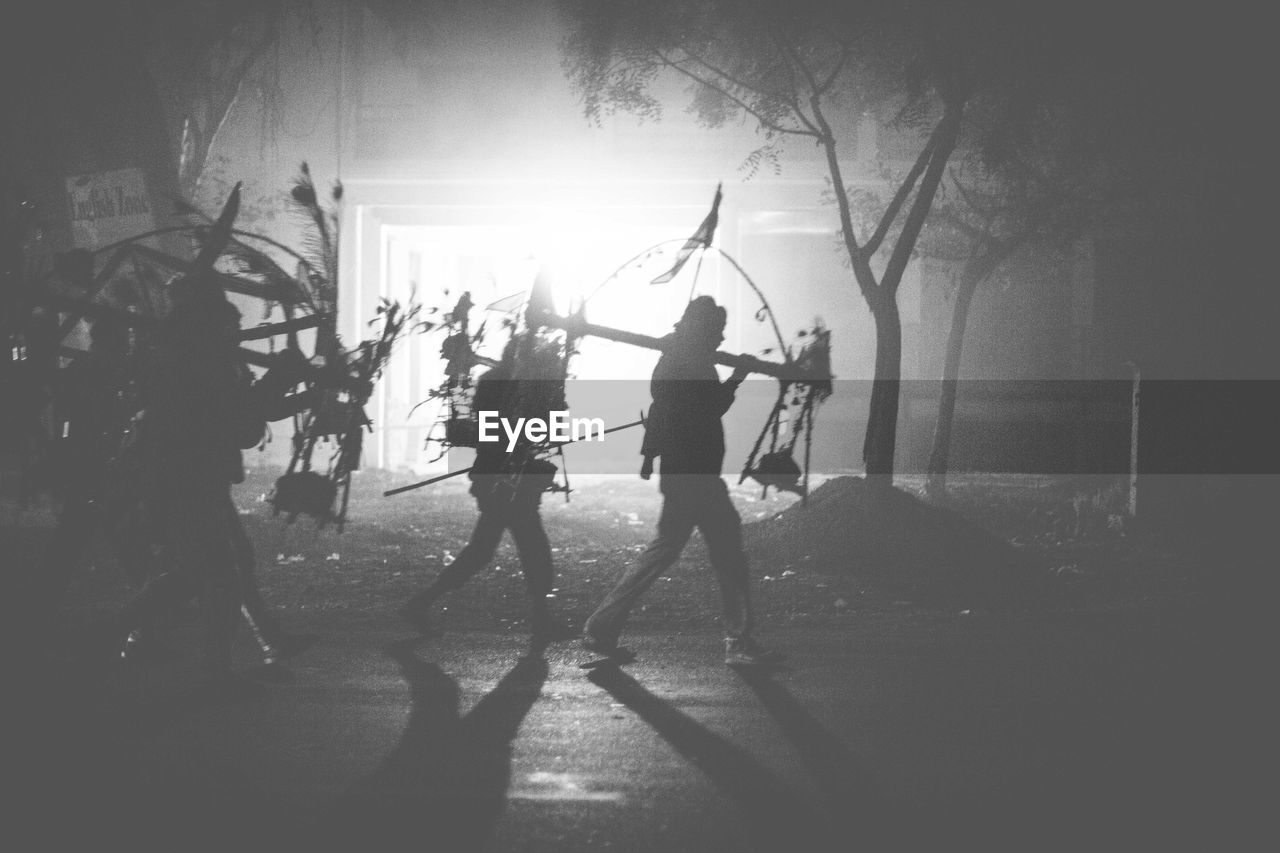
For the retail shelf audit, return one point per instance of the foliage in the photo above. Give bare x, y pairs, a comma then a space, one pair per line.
1015, 89
765, 61
805, 70
320, 245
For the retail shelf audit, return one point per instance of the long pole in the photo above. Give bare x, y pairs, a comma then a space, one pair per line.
461, 471
577, 326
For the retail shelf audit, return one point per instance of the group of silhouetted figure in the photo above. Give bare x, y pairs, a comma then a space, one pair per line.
150, 427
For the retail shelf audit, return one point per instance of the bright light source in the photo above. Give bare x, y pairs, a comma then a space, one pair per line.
500, 253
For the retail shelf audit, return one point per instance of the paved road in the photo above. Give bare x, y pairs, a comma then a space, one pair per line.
914, 730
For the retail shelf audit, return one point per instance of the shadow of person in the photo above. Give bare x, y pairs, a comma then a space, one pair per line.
849, 793
445, 784
776, 817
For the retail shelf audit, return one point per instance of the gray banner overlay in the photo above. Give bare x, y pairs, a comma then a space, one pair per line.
1036, 427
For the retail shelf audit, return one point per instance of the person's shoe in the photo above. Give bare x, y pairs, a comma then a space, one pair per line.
604, 652
744, 651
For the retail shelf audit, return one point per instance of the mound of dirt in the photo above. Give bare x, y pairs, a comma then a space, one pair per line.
893, 540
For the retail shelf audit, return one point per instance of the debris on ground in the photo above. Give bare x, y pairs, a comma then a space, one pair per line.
892, 539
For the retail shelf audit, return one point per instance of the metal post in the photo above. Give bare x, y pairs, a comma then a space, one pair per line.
1134, 407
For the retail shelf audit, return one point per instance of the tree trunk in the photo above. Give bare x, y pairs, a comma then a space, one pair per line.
882, 418
940, 454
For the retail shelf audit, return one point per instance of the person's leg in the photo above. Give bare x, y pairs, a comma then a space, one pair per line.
474, 556
134, 539
211, 553
539, 570
534, 549
174, 583
721, 528
675, 525
199, 540
262, 622
254, 605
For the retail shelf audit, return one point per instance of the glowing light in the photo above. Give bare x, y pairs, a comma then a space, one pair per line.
495, 252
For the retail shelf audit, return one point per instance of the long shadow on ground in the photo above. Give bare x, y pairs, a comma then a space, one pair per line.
444, 787
774, 816
848, 792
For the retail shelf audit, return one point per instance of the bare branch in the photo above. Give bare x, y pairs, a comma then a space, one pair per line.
818, 125
831, 78
945, 134
900, 197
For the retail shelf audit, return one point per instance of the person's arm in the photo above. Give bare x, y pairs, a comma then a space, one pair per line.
664, 388
728, 389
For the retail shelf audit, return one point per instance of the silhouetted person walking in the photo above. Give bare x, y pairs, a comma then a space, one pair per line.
685, 433
197, 412
508, 486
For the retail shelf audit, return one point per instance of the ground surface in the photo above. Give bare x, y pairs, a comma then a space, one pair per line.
1095, 712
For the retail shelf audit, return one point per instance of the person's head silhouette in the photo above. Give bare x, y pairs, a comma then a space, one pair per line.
702, 324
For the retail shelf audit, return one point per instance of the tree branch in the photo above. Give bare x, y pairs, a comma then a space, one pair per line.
788, 96
743, 105
862, 272
818, 124
830, 80
946, 133
236, 78
900, 197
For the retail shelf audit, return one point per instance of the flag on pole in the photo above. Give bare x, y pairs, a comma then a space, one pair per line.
701, 239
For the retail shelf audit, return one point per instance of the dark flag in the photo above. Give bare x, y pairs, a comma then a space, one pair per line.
701, 239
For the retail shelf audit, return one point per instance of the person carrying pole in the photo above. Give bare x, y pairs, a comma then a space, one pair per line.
508, 484
684, 432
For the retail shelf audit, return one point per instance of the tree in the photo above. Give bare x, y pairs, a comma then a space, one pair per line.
803, 70
113, 84
1119, 137
203, 57
985, 218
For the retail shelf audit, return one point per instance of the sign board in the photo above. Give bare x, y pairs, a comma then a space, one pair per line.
108, 206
